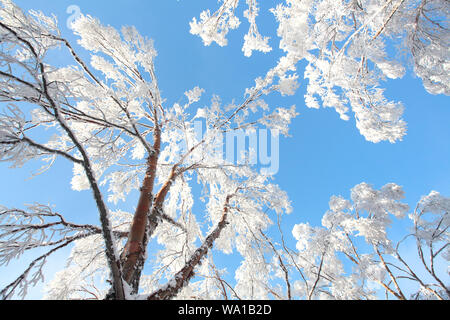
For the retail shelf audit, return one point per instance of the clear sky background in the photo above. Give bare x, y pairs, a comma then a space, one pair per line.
324, 155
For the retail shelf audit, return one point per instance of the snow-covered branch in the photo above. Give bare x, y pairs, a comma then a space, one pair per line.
183, 277
37, 227
346, 45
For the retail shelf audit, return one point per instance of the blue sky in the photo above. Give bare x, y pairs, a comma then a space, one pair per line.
323, 156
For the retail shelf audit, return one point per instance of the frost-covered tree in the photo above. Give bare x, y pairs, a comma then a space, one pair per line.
349, 47
107, 117
324, 253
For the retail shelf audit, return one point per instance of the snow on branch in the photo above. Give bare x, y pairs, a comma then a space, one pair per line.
36, 227
183, 277
322, 251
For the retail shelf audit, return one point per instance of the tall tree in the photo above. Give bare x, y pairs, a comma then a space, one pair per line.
107, 116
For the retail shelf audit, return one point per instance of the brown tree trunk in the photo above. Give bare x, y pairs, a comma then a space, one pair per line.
153, 220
